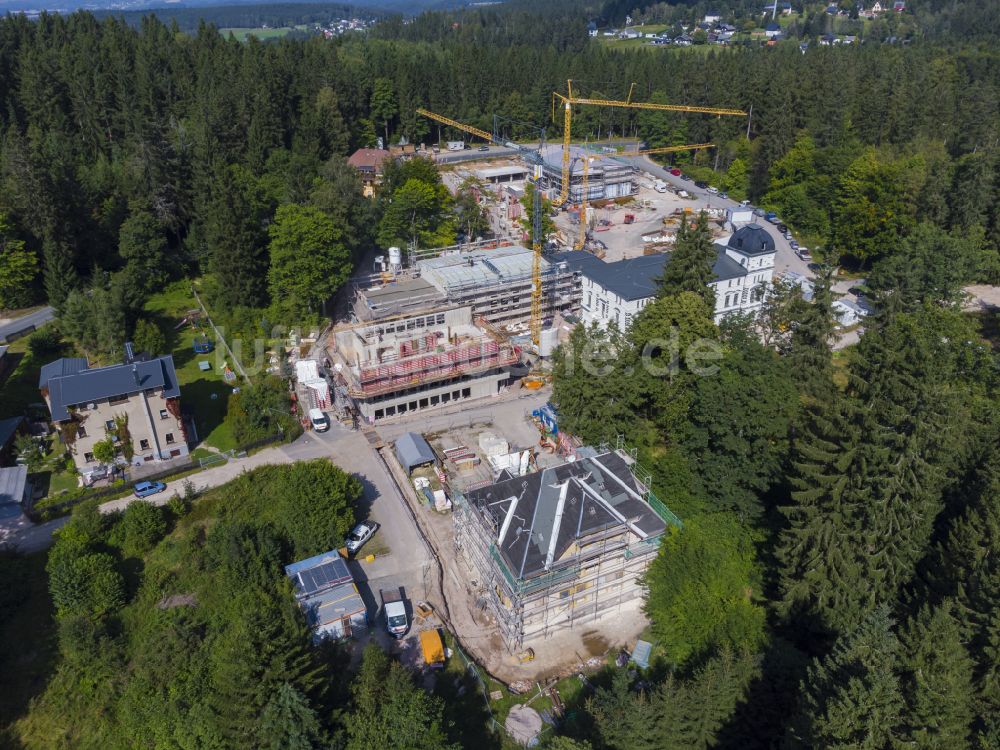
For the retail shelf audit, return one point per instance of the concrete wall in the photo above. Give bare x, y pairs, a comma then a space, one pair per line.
433, 395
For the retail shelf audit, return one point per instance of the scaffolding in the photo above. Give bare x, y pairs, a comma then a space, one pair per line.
604, 572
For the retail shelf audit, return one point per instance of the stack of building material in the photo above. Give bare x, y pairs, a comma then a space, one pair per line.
307, 373
491, 445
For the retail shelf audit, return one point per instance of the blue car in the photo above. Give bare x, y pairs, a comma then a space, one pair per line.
145, 489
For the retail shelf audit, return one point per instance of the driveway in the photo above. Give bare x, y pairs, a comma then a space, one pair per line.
26, 323
785, 258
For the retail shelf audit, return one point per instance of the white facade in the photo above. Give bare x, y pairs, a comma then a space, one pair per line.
616, 292
602, 306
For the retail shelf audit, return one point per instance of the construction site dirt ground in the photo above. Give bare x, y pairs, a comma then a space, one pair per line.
566, 652
625, 240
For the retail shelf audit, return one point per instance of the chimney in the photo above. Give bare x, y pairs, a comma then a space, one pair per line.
135, 373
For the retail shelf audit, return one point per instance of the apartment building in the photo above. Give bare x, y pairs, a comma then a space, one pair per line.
136, 404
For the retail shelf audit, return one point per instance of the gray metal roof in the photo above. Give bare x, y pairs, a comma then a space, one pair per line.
12, 482
8, 428
752, 239
636, 278
64, 366
540, 516
412, 450
85, 385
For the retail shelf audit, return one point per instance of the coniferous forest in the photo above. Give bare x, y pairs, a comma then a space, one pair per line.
836, 583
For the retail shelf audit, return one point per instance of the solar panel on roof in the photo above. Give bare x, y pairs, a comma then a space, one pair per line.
323, 576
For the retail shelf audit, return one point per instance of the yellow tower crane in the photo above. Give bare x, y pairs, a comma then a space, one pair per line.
582, 239
569, 101
534, 157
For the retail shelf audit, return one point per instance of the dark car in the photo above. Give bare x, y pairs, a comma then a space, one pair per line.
686, 177
484, 148
701, 184
782, 228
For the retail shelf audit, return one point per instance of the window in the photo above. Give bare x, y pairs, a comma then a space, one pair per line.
423, 403
379, 413
445, 398
88, 457
144, 445
163, 414
466, 392
435, 400
588, 299
413, 406
402, 408
170, 438
81, 431
390, 411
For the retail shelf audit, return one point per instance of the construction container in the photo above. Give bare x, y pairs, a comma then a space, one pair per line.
433, 648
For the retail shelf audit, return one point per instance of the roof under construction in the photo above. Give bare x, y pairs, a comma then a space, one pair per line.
450, 274
540, 517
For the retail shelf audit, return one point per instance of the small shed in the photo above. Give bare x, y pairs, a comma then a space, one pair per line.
328, 596
413, 451
8, 431
13, 490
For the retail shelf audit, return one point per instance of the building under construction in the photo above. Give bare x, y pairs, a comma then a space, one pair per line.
607, 178
561, 547
494, 282
421, 360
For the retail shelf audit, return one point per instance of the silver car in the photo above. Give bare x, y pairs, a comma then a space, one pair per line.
360, 534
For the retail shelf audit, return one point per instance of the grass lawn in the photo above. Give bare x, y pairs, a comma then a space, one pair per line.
242, 33
27, 630
203, 394
19, 387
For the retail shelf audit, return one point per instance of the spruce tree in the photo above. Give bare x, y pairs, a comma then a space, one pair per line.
809, 357
623, 719
690, 263
289, 723
819, 576
938, 681
852, 697
60, 276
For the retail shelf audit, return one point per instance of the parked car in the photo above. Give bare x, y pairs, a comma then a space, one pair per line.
758, 212
701, 184
359, 535
771, 217
788, 235
484, 148
782, 228
320, 422
713, 190
723, 195
794, 244
744, 204
675, 172
686, 177
804, 254
145, 489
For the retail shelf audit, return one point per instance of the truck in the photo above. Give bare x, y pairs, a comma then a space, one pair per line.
456, 145
394, 607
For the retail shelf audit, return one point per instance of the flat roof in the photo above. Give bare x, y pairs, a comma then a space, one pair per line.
334, 604
488, 172
482, 268
552, 155
402, 290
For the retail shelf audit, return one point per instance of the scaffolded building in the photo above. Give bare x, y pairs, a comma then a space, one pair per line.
494, 282
418, 361
563, 546
607, 178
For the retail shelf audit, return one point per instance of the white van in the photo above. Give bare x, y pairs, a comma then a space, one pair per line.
660, 186
319, 420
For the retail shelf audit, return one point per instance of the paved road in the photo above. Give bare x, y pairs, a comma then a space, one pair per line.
29, 321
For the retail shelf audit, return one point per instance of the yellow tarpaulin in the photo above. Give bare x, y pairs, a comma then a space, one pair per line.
432, 646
